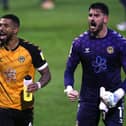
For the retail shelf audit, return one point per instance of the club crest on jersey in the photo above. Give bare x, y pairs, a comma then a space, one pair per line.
110, 50
21, 59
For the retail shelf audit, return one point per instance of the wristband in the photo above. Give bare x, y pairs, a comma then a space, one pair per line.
39, 85
68, 89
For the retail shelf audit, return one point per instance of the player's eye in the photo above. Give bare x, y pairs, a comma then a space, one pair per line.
96, 15
90, 15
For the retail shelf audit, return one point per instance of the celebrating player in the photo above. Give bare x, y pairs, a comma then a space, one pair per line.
18, 58
101, 52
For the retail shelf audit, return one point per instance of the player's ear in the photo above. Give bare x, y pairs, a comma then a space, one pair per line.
106, 18
16, 29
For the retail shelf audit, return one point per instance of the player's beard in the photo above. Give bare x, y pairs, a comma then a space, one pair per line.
4, 42
95, 34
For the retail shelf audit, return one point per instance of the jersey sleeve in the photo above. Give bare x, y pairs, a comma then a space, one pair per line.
123, 61
72, 62
38, 59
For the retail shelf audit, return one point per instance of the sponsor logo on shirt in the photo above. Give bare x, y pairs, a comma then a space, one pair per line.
87, 50
99, 64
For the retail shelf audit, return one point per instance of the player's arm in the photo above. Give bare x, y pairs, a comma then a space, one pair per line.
123, 60
45, 77
111, 99
120, 92
72, 62
41, 66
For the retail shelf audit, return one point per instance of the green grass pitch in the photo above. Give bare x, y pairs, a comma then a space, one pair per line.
53, 31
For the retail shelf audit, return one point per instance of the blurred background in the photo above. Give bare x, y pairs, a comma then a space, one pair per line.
53, 29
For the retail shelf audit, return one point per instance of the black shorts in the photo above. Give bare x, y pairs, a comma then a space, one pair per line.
13, 117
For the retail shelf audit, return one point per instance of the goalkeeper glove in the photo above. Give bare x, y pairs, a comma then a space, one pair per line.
102, 105
111, 99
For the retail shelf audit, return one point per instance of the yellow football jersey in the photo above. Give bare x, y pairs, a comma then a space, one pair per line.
14, 66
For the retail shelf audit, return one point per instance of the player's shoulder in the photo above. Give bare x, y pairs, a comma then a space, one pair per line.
116, 35
118, 39
28, 45
83, 36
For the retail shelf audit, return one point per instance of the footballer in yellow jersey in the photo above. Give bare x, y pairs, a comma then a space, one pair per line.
18, 58
14, 65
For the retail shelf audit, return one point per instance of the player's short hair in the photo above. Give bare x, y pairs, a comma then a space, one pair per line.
12, 17
101, 6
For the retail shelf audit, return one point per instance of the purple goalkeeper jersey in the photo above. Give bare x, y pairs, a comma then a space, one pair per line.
101, 60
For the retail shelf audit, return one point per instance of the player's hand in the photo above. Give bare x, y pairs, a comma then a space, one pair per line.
102, 106
32, 87
73, 95
111, 99
107, 98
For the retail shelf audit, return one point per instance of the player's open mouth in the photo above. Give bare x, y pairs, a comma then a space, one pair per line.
3, 35
92, 25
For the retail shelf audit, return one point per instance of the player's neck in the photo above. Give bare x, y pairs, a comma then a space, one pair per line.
12, 44
103, 33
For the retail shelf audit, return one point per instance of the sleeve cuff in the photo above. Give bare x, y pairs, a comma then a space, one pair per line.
68, 89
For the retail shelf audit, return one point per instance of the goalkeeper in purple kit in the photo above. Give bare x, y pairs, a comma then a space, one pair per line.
102, 53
